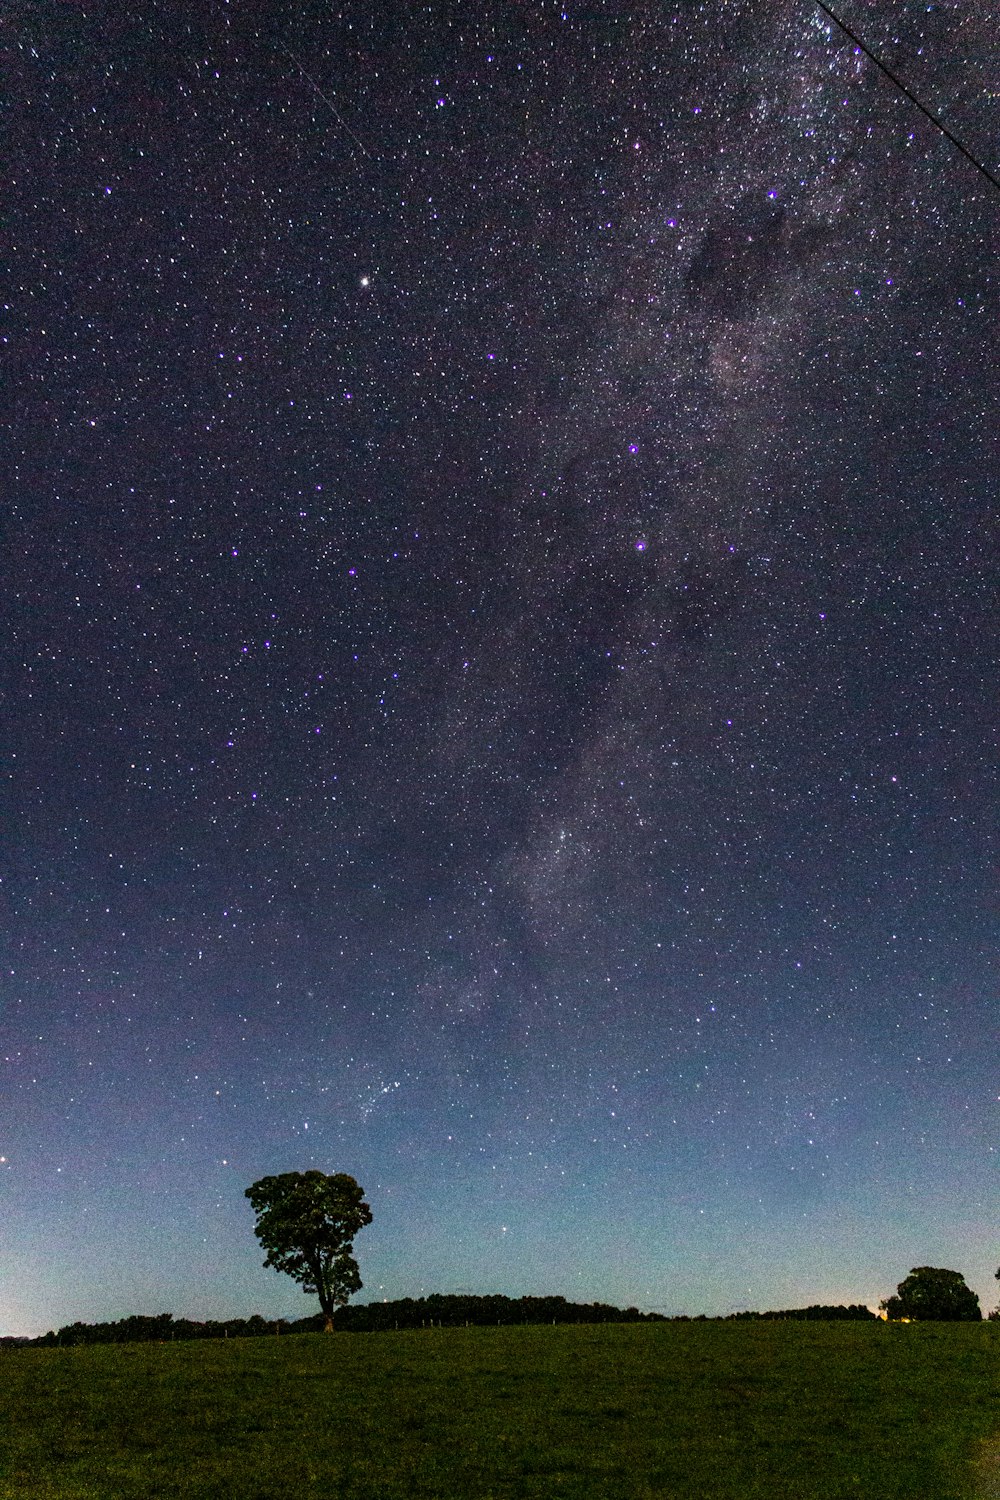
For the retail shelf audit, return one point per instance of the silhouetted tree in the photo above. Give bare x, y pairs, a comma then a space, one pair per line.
306, 1221
931, 1293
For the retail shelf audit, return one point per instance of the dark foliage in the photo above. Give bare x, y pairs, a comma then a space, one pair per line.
455, 1311
164, 1328
933, 1294
854, 1312
436, 1311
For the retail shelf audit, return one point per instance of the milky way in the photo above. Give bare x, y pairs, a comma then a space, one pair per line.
499, 651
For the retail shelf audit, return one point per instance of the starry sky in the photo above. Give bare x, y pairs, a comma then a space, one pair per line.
498, 651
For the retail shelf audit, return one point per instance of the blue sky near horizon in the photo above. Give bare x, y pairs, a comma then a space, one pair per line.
501, 647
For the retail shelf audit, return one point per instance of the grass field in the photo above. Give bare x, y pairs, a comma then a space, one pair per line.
724, 1411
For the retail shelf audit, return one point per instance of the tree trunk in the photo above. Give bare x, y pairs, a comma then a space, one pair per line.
323, 1292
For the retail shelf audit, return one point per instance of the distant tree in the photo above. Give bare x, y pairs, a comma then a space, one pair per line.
933, 1294
306, 1221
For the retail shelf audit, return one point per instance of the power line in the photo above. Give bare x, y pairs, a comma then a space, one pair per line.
912, 97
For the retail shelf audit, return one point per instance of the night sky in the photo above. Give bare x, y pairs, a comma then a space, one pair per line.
498, 650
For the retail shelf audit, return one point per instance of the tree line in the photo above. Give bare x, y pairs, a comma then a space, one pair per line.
439, 1310
854, 1312
436, 1311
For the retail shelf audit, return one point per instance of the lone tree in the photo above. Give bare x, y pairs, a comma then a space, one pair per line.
930, 1293
306, 1221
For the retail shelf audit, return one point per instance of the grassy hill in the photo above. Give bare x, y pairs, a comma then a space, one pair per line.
723, 1411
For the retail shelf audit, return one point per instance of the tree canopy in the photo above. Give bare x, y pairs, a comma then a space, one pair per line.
931, 1293
306, 1221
